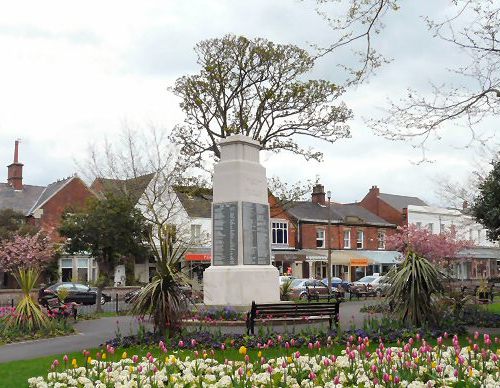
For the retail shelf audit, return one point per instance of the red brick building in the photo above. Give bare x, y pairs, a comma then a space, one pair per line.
43, 205
390, 207
355, 237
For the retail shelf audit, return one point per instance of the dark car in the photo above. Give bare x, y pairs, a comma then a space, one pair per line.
338, 283
77, 292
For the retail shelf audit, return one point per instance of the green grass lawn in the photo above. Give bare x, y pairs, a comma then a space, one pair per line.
15, 374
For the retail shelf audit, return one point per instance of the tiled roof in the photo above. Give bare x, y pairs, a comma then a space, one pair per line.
19, 200
196, 201
133, 188
49, 191
340, 213
401, 201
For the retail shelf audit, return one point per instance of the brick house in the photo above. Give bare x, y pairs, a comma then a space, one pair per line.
390, 207
43, 206
356, 238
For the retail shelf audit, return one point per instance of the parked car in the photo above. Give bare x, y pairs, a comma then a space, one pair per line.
380, 286
77, 292
338, 283
374, 285
299, 288
284, 279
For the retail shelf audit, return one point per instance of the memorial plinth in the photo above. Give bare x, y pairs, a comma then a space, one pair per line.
241, 269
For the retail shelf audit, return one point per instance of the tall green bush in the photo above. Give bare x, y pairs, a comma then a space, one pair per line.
29, 315
414, 284
162, 299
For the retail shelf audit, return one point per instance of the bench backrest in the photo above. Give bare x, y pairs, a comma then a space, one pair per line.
54, 302
294, 309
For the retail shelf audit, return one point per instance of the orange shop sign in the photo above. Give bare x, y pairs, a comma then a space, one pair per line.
198, 257
359, 262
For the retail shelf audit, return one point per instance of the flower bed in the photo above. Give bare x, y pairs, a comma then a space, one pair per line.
413, 364
56, 327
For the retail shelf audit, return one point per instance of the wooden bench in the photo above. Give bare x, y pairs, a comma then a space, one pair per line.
312, 294
292, 310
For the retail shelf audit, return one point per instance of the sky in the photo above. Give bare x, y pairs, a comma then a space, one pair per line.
72, 73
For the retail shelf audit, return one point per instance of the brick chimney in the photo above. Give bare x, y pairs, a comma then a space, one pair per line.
318, 194
15, 170
375, 191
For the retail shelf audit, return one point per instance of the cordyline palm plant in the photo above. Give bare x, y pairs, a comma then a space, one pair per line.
413, 284
28, 314
162, 299
286, 289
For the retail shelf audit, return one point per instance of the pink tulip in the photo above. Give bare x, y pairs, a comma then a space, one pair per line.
135, 358
181, 344
270, 369
336, 380
65, 358
312, 376
310, 346
386, 377
297, 354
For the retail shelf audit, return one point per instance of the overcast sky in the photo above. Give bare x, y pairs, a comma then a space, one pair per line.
72, 72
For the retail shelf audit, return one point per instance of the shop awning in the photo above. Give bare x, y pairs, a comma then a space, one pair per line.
339, 257
190, 256
288, 255
384, 257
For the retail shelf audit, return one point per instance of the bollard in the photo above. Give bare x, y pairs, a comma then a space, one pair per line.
117, 303
12, 303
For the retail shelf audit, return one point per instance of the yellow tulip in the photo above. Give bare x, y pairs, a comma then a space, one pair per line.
131, 368
434, 364
104, 356
249, 373
259, 354
243, 350
289, 360
471, 372
89, 359
124, 355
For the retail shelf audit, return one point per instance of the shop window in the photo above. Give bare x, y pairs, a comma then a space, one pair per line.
320, 238
347, 239
280, 233
360, 239
430, 227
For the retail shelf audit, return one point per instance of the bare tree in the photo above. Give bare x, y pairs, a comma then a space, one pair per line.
255, 87
144, 165
355, 25
473, 29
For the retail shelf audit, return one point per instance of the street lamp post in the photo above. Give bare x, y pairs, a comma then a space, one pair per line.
329, 267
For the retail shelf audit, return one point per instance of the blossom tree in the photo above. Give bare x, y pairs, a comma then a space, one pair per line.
437, 248
25, 252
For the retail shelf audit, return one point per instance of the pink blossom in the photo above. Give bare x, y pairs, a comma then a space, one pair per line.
25, 252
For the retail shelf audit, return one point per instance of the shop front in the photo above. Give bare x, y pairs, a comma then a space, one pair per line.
196, 263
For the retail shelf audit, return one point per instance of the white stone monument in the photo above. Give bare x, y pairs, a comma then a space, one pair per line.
241, 270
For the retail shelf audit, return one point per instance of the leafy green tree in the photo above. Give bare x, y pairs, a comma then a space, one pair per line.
109, 229
12, 223
259, 89
486, 207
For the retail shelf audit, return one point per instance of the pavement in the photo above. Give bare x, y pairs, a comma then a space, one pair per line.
92, 333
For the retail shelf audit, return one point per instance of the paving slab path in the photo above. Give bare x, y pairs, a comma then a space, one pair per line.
90, 334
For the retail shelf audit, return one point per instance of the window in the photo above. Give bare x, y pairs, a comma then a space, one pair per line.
470, 234
320, 238
347, 239
381, 239
195, 233
442, 228
66, 270
479, 236
280, 233
83, 270
360, 239
419, 225
430, 227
